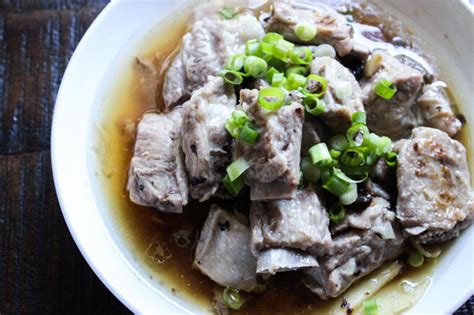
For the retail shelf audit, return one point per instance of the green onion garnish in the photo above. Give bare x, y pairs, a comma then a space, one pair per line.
228, 13
305, 31
233, 187
252, 48
270, 73
316, 85
353, 157
302, 56
370, 307
232, 128
378, 145
268, 42
230, 76
314, 105
349, 196
385, 89
356, 134
359, 118
237, 168
391, 159
236, 62
271, 98
232, 298
334, 153
255, 66
278, 80
311, 173
337, 213
415, 259
296, 70
239, 117
249, 134
295, 81
319, 155
282, 50
338, 142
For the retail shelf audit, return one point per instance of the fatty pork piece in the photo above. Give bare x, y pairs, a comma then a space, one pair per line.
223, 251
205, 141
157, 176
338, 113
206, 49
363, 243
332, 27
435, 200
282, 227
275, 157
395, 117
436, 110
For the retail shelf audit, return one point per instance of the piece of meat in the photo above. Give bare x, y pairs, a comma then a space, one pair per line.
206, 49
395, 117
435, 200
157, 176
357, 250
273, 260
275, 157
205, 141
299, 223
332, 27
434, 106
338, 113
223, 251
313, 133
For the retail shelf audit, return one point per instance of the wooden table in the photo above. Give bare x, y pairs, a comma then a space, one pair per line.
41, 269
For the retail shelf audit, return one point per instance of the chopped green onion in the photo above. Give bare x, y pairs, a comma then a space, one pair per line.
233, 187
316, 85
359, 118
271, 98
334, 153
350, 196
337, 213
270, 73
385, 89
352, 157
297, 70
356, 134
278, 80
314, 105
282, 50
370, 307
371, 158
237, 62
325, 50
295, 81
336, 185
277, 64
378, 145
255, 66
311, 173
302, 56
391, 159
360, 172
305, 31
343, 89
230, 76
340, 174
325, 174
232, 298
232, 128
249, 134
268, 42
338, 142
239, 117
237, 168
319, 155
228, 13
415, 259
252, 48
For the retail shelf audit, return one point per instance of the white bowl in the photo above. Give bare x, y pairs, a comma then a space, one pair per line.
446, 27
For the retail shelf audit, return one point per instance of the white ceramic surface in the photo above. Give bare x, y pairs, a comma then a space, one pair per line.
111, 39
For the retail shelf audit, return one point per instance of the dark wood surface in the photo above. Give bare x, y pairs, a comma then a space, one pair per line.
41, 269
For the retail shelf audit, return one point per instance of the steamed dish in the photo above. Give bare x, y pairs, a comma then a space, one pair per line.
323, 149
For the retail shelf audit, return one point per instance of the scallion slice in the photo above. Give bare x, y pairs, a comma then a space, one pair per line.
302, 56
236, 62
232, 298
233, 187
252, 48
268, 42
378, 145
353, 157
228, 13
271, 98
415, 259
325, 50
230, 76
239, 117
278, 80
295, 81
270, 73
359, 118
319, 155
282, 50
249, 134
255, 66
337, 213
391, 159
338, 142
334, 153
316, 85
232, 128
297, 70
305, 31
237, 168
314, 105
356, 134
336, 185
385, 89
370, 307
311, 173
350, 196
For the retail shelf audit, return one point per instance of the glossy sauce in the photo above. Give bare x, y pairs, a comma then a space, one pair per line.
156, 240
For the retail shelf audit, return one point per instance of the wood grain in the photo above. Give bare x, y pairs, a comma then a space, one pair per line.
41, 269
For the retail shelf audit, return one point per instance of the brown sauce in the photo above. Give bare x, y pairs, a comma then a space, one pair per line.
153, 237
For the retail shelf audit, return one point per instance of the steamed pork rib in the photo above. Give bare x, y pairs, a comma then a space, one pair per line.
206, 49
273, 260
363, 243
339, 107
435, 200
223, 251
205, 141
274, 157
395, 117
157, 176
436, 111
332, 27
296, 224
